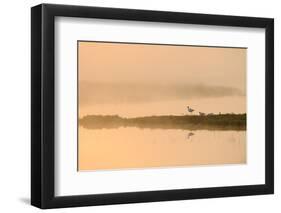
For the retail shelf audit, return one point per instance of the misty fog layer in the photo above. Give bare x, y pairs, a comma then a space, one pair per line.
112, 93
134, 80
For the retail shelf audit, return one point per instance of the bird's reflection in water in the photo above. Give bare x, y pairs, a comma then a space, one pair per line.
189, 135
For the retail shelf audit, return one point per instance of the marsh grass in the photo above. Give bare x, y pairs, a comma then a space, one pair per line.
189, 122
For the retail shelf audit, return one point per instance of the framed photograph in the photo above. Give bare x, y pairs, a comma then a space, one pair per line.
139, 106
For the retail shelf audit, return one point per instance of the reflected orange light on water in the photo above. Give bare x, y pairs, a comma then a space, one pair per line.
127, 148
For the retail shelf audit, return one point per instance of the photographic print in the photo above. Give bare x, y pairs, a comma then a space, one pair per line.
159, 105
158, 100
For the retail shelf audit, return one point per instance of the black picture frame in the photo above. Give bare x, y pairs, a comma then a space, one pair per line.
43, 102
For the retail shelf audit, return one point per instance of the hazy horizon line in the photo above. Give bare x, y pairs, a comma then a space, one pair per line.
139, 92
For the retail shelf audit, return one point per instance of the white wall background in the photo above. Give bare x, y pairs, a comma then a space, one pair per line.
15, 105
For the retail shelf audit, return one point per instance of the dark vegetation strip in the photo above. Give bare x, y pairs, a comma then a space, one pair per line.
190, 122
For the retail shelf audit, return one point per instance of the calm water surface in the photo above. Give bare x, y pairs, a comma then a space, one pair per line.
146, 148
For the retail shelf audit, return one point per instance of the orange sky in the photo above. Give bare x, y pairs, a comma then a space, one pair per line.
138, 79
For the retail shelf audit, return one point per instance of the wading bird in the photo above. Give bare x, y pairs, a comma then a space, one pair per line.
189, 109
